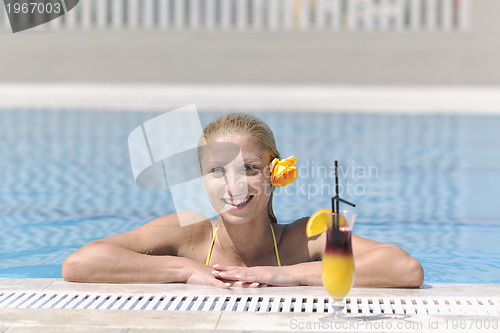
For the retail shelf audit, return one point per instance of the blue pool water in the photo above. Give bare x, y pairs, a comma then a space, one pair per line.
428, 183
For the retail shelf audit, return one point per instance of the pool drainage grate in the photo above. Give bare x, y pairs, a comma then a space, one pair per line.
249, 303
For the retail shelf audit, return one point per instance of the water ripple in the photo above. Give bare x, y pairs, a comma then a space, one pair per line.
65, 180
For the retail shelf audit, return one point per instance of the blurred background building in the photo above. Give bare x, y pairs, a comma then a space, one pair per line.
367, 15
340, 42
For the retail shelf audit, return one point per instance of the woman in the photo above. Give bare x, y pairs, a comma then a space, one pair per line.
245, 247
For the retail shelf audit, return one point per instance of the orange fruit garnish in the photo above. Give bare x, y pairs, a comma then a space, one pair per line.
320, 221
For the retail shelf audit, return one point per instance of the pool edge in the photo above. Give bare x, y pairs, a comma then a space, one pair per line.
262, 97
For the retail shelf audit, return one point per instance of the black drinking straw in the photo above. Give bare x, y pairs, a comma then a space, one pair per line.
336, 212
335, 205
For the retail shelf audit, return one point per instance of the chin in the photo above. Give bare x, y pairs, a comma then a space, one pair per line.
228, 217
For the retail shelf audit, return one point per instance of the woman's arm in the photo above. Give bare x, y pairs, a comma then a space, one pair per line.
105, 261
376, 264
384, 265
144, 255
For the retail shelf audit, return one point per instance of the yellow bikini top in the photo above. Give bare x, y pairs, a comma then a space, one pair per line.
213, 242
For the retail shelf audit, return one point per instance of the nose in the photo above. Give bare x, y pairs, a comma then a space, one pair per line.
236, 184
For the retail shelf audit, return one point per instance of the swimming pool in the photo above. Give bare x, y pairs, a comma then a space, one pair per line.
428, 183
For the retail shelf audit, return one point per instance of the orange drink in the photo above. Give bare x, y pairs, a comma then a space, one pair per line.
337, 269
338, 264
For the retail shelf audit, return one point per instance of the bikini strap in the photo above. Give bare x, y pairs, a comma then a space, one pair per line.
275, 245
211, 246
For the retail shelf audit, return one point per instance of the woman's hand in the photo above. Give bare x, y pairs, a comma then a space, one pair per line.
205, 275
202, 275
257, 276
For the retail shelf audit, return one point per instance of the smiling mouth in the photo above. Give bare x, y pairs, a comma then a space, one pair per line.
237, 202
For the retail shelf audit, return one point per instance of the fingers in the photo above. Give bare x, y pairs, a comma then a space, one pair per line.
224, 275
221, 284
240, 276
209, 281
254, 285
231, 276
243, 284
224, 267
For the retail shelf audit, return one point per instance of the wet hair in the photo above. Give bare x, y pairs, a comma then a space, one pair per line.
256, 130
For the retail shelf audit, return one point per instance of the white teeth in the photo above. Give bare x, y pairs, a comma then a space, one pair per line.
237, 202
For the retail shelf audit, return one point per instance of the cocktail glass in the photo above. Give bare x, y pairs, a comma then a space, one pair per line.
338, 263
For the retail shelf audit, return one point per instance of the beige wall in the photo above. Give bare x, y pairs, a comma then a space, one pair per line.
485, 16
467, 58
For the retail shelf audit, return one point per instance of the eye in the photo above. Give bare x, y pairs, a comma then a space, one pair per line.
218, 171
250, 168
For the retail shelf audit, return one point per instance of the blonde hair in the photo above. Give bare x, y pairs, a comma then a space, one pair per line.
257, 132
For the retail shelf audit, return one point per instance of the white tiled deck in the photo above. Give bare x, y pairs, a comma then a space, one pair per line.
103, 320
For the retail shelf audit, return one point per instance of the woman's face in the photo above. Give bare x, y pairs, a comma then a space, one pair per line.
236, 177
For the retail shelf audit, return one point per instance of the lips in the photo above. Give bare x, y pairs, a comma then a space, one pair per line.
237, 202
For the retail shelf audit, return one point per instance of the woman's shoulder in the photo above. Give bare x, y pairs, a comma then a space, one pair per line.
294, 232
296, 227
165, 235
300, 247
172, 228
184, 222
177, 233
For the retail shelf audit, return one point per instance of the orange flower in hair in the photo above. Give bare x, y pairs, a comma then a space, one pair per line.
283, 172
